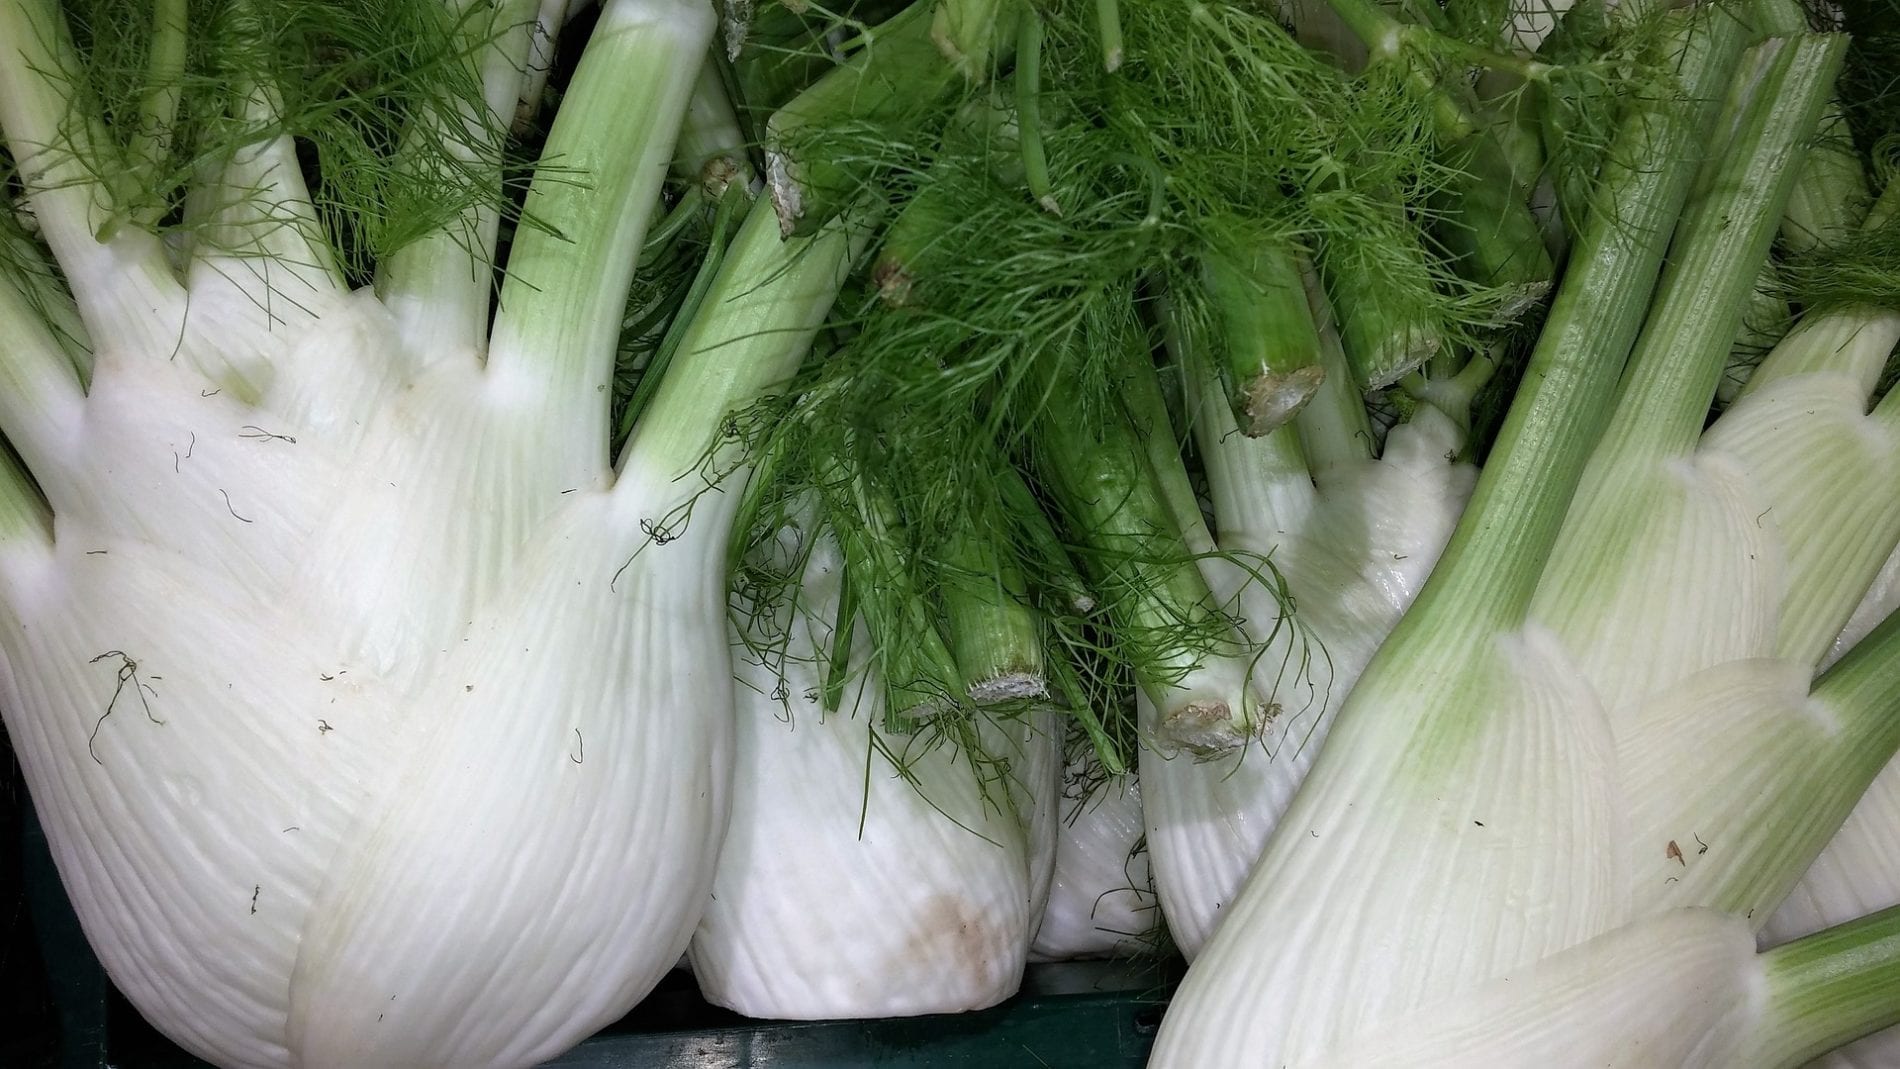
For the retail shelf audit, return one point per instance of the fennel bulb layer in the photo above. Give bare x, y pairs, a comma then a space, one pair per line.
1857, 873
1683, 988
1859, 870
1680, 990
1102, 899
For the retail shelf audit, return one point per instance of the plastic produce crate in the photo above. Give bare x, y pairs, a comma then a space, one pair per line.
62, 1012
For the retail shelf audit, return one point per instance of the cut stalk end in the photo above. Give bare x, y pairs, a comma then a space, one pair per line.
971, 35
1010, 687
1266, 334
894, 79
1203, 727
787, 192
1273, 398
994, 633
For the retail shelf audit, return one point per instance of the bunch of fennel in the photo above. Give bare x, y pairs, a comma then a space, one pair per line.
1048, 302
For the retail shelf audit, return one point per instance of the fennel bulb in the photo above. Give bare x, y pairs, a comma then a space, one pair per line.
375, 717
1350, 539
867, 872
1548, 748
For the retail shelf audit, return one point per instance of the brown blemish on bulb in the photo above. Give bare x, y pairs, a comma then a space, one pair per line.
965, 950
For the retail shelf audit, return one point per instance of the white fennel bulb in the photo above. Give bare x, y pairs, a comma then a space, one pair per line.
1599, 707
375, 717
1350, 538
868, 872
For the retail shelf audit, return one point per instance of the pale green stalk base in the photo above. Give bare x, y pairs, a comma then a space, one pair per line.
439, 288
712, 148
548, 21
560, 308
1832, 196
1831, 987
41, 402
1263, 492
1154, 587
1148, 410
1764, 323
1334, 428
165, 66
1456, 395
1853, 342
1882, 601
255, 224
767, 302
127, 295
258, 249
1887, 412
40, 288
